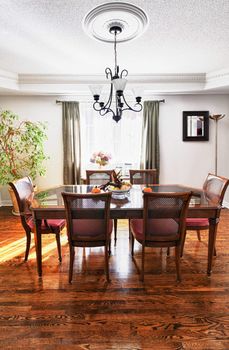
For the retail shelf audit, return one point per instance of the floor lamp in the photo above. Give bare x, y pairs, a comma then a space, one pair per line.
216, 118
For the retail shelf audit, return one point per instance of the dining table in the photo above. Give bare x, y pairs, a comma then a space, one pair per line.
48, 204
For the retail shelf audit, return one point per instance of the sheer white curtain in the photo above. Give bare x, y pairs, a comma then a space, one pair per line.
122, 140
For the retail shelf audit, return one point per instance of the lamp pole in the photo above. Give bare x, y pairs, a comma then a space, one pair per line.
216, 118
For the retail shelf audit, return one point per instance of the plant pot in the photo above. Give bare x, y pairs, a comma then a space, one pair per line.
15, 210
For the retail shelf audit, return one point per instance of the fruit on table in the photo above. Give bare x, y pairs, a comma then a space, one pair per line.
147, 189
95, 190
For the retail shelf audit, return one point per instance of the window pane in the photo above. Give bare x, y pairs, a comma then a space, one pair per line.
122, 140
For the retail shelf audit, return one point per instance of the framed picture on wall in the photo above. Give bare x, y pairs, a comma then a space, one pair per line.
195, 125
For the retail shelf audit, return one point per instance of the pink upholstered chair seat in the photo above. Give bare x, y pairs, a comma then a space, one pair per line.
161, 230
90, 228
53, 223
197, 222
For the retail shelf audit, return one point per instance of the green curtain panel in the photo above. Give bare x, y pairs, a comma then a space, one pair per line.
71, 142
150, 152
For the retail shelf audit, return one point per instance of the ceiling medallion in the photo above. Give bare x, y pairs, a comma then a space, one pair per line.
131, 19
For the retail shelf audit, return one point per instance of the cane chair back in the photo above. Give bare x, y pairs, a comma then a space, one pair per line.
163, 223
98, 177
146, 176
215, 188
88, 223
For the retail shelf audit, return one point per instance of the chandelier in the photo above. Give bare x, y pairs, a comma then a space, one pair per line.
117, 86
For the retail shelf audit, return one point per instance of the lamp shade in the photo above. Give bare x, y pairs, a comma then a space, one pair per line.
96, 89
119, 84
138, 91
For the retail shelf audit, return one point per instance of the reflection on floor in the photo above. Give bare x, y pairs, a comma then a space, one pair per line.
49, 313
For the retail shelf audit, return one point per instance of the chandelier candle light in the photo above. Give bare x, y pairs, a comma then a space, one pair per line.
117, 87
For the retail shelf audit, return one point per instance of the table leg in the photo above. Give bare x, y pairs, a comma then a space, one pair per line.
213, 223
37, 238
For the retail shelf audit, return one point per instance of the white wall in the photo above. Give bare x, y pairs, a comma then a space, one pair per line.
181, 162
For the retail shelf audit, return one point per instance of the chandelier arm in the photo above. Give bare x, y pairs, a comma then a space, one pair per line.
97, 109
124, 73
108, 103
103, 111
108, 73
131, 108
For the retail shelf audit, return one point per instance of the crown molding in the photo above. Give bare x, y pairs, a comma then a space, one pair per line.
56, 84
8, 80
85, 79
217, 79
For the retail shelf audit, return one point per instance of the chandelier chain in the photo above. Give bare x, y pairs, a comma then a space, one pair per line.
115, 52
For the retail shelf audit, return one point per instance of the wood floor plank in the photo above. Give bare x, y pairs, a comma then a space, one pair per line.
91, 314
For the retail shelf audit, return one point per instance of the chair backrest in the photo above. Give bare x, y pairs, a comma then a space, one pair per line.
88, 216
98, 177
23, 191
215, 187
146, 176
165, 212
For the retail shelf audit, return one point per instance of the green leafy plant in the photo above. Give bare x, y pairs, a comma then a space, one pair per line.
21, 148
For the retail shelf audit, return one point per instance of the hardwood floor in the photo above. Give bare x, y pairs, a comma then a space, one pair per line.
90, 314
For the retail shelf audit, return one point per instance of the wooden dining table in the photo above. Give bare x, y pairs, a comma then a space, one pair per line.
48, 204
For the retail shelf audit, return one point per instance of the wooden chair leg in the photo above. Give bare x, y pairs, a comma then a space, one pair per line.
129, 230
109, 247
58, 246
198, 235
72, 256
177, 259
143, 264
132, 244
106, 263
115, 230
214, 251
168, 251
182, 245
28, 242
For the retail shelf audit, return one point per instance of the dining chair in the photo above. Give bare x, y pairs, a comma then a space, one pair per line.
214, 189
163, 224
143, 176
88, 223
100, 177
23, 190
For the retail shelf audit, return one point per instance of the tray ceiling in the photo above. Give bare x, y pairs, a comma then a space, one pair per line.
44, 49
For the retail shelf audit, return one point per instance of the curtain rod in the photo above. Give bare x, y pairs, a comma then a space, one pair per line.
59, 102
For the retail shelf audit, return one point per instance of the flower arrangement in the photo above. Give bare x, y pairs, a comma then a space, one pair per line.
100, 158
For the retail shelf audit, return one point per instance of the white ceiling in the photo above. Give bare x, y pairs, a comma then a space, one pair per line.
43, 48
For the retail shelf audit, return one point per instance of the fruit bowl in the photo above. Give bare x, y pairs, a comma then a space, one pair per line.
119, 193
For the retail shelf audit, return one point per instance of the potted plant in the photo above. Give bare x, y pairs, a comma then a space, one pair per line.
21, 148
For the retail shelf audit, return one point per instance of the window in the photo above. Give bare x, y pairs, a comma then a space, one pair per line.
122, 140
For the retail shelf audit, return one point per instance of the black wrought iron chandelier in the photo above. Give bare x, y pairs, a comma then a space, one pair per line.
117, 86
